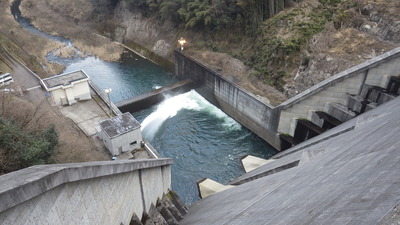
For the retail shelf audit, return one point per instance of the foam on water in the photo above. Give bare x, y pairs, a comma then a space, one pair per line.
191, 101
202, 140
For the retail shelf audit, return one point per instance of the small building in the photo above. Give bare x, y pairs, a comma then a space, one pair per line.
121, 134
68, 88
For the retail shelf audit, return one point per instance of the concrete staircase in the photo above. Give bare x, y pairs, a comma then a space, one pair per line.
368, 98
168, 211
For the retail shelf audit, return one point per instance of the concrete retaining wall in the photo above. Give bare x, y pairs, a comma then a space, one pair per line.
376, 71
148, 99
83, 193
244, 107
267, 121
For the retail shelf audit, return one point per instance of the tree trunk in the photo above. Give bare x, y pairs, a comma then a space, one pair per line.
271, 8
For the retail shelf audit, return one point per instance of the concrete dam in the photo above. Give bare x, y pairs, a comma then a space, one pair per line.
347, 174
277, 125
148, 99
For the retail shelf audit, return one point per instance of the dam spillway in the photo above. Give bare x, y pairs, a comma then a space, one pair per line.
203, 141
151, 98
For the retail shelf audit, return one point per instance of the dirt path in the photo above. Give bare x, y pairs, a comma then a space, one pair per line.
73, 146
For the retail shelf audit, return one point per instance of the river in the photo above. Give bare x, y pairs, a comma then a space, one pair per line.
203, 141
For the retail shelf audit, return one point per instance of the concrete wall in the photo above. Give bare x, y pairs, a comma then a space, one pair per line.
83, 193
82, 91
57, 95
144, 101
124, 141
79, 91
376, 71
267, 121
244, 107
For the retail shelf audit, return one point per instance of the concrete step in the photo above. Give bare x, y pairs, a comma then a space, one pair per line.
380, 95
326, 121
384, 97
209, 187
287, 141
182, 208
250, 162
306, 129
358, 104
168, 211
364, 90
393, 85
340, 112
154, 217
165, 209
374, 93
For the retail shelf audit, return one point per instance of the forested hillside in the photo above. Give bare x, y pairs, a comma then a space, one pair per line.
262, 45
290, 45
212, 15
286, 44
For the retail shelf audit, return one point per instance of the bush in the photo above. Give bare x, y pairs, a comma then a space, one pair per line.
19, 149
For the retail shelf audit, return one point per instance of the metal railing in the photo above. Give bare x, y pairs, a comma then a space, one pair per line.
105, 98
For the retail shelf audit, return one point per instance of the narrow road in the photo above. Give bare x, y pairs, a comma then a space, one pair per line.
88, 114
23, 79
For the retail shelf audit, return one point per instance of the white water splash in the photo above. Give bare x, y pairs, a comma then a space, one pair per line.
170, 107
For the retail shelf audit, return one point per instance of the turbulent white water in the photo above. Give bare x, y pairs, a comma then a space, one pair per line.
202, 140
191, 101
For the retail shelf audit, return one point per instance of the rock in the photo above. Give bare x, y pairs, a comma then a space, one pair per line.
367, 26
162, 48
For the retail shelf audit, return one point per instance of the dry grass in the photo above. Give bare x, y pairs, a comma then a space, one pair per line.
73, 146
13, 37
33, 49
4, 68
66, 19
235, 71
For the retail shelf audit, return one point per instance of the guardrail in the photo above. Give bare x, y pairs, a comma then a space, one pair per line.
104, 97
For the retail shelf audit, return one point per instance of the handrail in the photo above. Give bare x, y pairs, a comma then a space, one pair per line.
103, 97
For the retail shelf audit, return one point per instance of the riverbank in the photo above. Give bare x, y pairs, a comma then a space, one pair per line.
32, 49
82, 32
24, 45
83, 37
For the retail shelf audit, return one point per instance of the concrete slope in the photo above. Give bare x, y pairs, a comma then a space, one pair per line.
352, 178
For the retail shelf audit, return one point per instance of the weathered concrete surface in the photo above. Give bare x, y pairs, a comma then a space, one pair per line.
266, 121
87, 114
209, 187
376, 71
108, 192
250, 162
258, 116
104, 101
148, 99
351, 178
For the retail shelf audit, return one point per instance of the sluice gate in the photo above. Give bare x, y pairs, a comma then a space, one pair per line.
148, 99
